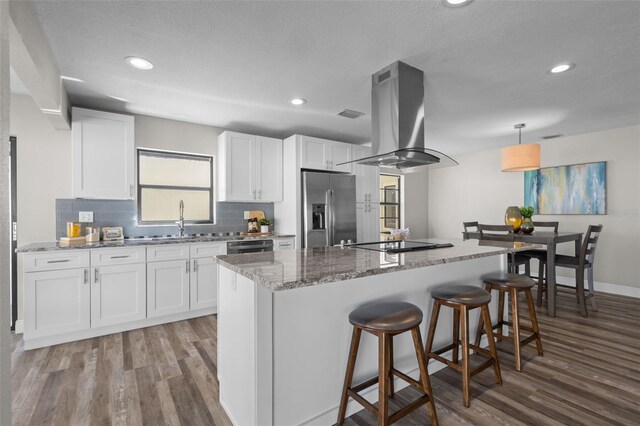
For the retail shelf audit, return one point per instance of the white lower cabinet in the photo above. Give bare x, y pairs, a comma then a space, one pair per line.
117, 294
56, 302
368, 222
204, 283
167, 287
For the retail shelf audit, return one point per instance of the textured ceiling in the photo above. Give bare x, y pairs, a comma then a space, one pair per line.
236, 64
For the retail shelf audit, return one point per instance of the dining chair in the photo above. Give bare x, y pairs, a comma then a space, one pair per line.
541, 253
505, 233
580, 263
470, 227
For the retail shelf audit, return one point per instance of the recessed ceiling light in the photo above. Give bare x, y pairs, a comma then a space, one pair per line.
139, 63
118, 99
457, 3
298, 101
77, 80
561, 68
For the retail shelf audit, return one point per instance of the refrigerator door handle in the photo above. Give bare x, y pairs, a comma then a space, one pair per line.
330, 217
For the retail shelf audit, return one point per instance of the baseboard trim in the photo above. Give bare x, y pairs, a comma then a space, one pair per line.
19, 327
617, 289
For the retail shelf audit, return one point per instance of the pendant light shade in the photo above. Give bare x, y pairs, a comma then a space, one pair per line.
520, 158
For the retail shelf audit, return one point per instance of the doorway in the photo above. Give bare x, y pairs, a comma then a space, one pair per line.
13, 172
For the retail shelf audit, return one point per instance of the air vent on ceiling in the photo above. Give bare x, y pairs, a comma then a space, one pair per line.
553, 136
349, 113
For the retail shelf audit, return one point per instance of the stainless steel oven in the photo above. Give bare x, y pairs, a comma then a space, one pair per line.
249, 246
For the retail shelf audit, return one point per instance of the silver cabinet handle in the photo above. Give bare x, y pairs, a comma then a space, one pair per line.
331, 165
260, 194
86, 276
195, 266
96, 276
326, 164
123, 256
58, 261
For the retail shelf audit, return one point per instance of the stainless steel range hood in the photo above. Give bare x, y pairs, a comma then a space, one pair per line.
397, 117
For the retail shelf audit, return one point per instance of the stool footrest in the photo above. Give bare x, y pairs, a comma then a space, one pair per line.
482, 367
443, 360
445, 348
365, 385
408, 408
416, 384
366, 404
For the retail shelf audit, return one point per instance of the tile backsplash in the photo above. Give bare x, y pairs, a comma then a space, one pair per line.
229, 217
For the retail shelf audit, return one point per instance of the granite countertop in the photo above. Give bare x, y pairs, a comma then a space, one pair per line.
286, 270
53, 246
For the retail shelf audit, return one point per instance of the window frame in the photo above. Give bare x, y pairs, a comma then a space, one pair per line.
174, 154
383, 203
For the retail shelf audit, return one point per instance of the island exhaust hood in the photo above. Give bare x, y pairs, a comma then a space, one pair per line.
397, 121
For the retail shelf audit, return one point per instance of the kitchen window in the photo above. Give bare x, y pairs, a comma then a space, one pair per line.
390, 196
165, 178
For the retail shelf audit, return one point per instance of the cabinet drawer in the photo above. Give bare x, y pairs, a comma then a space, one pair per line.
167, 252
56, 260
284, 244
208, 249
117, 256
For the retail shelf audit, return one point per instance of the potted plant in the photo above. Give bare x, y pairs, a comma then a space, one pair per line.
527, 224
264, 224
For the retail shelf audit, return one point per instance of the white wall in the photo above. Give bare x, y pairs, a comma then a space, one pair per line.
478, 190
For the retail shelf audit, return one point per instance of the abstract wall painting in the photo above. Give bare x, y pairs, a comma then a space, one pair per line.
573, 189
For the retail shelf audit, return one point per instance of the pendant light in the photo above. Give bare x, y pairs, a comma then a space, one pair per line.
519, 158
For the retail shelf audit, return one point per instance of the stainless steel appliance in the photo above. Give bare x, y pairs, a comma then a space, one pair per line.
397, 121
249, 246
328, 209
401, 246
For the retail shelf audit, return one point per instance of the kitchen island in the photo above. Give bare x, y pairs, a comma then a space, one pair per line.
283, 329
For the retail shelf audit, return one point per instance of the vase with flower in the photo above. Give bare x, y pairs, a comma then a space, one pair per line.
527, 224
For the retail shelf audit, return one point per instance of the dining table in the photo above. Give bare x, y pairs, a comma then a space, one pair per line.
551, 240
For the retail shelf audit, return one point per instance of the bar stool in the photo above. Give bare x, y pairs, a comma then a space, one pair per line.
463, 298
512, 284
386, 320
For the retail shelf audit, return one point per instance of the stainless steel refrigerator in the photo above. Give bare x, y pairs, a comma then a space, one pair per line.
328, 209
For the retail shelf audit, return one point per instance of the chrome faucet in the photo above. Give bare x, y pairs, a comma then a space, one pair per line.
180, 222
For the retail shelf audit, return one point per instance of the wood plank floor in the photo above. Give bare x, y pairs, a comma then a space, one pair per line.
590, 375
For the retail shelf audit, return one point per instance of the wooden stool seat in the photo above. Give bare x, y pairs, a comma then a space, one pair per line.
503, 279
385, 320
461, 294
463, 298
512, 284
387, 316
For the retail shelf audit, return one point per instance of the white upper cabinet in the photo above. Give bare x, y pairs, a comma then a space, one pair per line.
323, 154
249, 168
367, 177
103, 151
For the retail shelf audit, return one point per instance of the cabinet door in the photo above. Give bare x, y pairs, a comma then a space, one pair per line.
167, 287
103, 149
117, 294
204, 283
361, 172
340, 153
268, 169
56, 302
315, 153
236, 157
373, 184
373, 225
361, 223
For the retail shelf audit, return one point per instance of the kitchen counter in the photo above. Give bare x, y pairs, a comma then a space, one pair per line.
52, 246
283, 316
288, 270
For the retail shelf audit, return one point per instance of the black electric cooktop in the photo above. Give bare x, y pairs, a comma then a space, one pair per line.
400, 246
